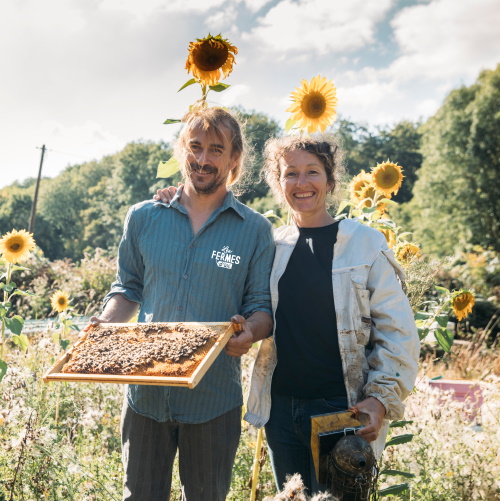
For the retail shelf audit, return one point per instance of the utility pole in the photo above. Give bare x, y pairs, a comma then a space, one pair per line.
31, 228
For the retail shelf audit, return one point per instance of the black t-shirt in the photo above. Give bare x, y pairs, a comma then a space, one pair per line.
309, 363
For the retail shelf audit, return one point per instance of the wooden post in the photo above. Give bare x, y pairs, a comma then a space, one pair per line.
31, 227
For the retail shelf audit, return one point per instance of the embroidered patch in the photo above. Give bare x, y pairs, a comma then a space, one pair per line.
225, 258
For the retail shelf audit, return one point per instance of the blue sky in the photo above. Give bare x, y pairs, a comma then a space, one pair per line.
85, 77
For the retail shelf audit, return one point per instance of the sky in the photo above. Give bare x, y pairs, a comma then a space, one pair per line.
86, 77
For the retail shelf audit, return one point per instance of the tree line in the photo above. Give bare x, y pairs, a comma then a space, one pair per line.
450, 198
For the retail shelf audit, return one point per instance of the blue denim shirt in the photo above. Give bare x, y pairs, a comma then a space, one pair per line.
176, 276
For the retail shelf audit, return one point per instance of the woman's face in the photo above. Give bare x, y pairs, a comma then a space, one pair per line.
304, 183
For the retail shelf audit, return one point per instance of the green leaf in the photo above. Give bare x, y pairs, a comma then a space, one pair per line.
405, 474
442, 320
399, 424
369, 210
3, 369
9, 287
422, 315
172, 121
19, 292
441, 290
343, 205
55, 337
187, 84
3, 311
393, 489
74, 327
169, 168
399, 439
219, 87
21, 341
64, 343
422, 333
444, 338
289, 124
14, 324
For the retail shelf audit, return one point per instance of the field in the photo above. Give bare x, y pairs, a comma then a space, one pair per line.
61, 441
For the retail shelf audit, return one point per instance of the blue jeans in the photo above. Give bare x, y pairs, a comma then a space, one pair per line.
288, 434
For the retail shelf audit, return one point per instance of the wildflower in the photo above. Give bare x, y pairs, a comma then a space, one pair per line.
462, 302
406, 251
16, 245
359, 182
387, 178
314, 104
210, 56
59, 301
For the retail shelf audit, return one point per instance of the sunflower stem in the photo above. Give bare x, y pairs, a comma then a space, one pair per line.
5, 298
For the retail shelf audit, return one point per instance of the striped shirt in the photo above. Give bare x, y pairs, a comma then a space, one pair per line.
176, 276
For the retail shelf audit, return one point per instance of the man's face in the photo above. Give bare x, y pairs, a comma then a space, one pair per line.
208, 158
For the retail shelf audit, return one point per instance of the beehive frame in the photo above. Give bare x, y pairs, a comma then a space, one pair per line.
54, 374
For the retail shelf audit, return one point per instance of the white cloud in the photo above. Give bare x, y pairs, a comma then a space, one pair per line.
255, 5
320, 25
221, 20
142, 9
446, 39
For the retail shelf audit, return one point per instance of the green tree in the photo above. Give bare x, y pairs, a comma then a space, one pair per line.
456, 202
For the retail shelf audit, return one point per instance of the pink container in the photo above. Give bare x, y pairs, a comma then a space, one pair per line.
462, 390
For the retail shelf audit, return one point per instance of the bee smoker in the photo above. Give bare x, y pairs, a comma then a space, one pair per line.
352, 470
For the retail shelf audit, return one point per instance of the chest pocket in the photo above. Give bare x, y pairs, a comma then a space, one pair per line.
361, 309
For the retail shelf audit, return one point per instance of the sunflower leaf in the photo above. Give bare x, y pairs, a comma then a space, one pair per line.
171, 121
393, 489
219, 87
14, 324
399, 439
442, 320
405, 474
343, 205
19, 292
21, 341
444, 338
399, 424
187, 84
289, 124
18, 268
169, 168
74, 327
64, 343
3, 369
441, 290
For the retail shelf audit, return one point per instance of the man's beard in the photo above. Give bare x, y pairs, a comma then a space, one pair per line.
205, 188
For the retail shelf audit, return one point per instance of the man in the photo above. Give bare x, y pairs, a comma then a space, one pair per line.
202, 257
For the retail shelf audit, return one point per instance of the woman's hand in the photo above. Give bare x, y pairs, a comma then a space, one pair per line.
166, 195
376, 412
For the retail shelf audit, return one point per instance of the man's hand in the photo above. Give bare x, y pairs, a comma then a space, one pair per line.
166, 195
240, 342
376, 412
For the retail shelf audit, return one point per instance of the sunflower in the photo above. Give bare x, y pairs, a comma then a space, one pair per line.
59, 301
462, 302
16, 245
405, 252
390, 236
367, 197
314, 104
359, 182
387, 178
210, 56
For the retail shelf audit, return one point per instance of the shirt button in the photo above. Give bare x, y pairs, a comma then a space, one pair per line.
185, 277
180, 308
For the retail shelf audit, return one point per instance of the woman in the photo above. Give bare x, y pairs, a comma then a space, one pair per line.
344, 334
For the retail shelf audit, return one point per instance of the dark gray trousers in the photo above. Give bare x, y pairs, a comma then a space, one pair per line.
206, 456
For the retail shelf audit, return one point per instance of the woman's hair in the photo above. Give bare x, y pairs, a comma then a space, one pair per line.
211, 120
324, 146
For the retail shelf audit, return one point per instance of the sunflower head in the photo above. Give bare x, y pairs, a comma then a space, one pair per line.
390, 236
314, 104
406, 252
16, 245
462, 302
59, 301
209, 57
362, 180
368, 196
387, 178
